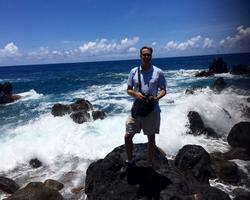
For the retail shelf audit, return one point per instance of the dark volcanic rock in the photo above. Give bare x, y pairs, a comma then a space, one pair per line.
36, 191
35, 163
204, 73
7, 185
80, 117
240, 70
195, 123
53, 184
106, 179
218, 66
237, 153
98, 114
239, 135
225, 170
194, 159
219, 84
6, 95
60, 109
81, 105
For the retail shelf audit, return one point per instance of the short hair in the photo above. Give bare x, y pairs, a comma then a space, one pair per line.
146, 47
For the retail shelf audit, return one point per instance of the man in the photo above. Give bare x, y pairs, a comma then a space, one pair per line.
152, 83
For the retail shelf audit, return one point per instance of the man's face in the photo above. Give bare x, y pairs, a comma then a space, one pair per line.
146, 56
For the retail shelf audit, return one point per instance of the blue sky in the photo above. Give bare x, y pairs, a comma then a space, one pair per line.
54, 31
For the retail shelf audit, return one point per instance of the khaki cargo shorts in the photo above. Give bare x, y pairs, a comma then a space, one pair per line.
149, 124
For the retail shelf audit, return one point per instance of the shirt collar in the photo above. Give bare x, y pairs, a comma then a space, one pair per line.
148, 70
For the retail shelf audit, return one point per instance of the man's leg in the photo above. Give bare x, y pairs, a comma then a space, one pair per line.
151, 148
129, 145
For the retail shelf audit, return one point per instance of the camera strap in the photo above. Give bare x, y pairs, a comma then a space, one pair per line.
139, 78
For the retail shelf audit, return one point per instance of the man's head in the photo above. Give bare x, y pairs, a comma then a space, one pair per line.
146, 55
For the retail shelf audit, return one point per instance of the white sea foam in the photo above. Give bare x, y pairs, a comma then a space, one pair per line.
31, 94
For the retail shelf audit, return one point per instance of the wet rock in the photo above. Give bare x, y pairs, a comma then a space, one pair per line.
240, 70
237, 153
196, 124
36, 191
225, 170
53, 184
81, 105
6, 95
109, 179
204, 74
241, 194
194, 159
239, 135
219, 84
218, 66
7, 185
60, 109
35, 163
210, 132
98, 114
189, 91
80, 117
106, 179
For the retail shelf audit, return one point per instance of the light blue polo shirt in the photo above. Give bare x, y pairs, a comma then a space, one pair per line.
151, 81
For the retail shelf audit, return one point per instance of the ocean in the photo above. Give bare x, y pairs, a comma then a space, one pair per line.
29, 130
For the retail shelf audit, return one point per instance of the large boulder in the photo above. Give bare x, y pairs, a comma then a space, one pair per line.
195, 160
218, 66
8, 185
239, 135
60, 109
107, 180
36, 191
196, 124
81, 105
219, 84
6, 95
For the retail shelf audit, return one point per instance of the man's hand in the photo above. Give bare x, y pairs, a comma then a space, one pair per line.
139, 95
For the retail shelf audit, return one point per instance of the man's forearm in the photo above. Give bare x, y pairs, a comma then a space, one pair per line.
161, 94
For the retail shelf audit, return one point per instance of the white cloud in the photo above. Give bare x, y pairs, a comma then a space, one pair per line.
104, 46
208, 43
42, 51
191, 43
10, 49
241, 39
153, 43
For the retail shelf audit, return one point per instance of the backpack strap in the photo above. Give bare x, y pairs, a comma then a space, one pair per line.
139, 78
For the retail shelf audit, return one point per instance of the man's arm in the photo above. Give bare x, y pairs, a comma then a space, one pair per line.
161, 94
135, 94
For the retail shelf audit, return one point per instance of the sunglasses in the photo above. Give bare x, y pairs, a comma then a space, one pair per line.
146, 55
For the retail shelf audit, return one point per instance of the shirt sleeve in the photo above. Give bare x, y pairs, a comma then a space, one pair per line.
162, 84
130, 81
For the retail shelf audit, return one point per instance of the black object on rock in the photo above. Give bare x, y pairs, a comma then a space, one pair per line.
35, 163
218, 66
239, 135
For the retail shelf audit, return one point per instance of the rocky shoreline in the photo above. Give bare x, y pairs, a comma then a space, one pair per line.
185, 177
